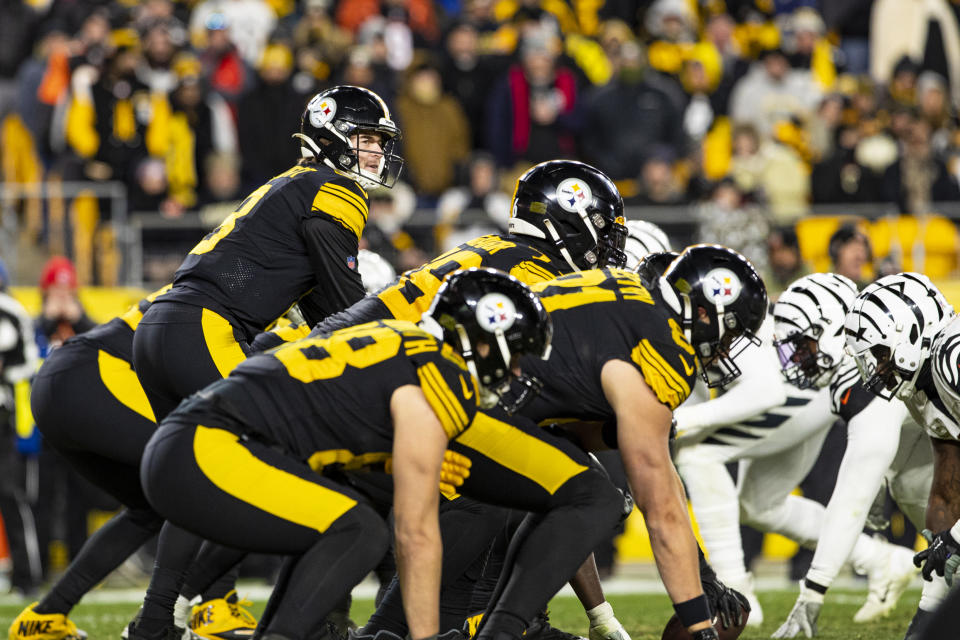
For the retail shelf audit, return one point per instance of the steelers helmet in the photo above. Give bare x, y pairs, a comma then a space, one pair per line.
333, 116
491, 319
574, 206
723, 302
654, 265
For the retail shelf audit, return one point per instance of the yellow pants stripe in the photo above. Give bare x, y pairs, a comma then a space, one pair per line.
121, 381
520, 452
221, 343
233, 469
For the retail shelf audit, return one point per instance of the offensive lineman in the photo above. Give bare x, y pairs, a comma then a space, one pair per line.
266, 447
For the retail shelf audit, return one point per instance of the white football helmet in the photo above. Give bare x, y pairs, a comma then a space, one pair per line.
644, 238
375, 271
808, 328
890, 330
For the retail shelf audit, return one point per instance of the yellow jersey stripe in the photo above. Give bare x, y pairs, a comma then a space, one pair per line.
224, 349
235, 470
668, 389
447, 396
531, 273
673, 373
657, 361
121, 381
353, 197
451, 396
520, 452
341, 210
349, 197
439, 395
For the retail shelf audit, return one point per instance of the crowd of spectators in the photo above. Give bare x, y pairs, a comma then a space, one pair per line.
749, 110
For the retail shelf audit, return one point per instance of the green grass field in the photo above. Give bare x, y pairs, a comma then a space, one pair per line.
644, 616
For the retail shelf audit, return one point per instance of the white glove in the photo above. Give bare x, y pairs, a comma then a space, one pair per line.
804, 615
604, 624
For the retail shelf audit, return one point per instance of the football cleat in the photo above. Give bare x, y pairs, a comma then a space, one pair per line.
541, 629
30, 625
170, 632
223, 619
887, 582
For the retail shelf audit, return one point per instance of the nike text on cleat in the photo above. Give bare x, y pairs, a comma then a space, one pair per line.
223, 619
30, 625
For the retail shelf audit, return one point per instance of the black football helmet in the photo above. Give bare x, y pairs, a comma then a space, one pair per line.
333, 116
725, 286
491, 319
574, 206
653, 265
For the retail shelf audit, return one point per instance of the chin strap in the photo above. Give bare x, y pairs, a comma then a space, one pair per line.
560, 245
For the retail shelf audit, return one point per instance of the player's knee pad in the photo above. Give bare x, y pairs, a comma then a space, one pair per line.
594, 493
761, 517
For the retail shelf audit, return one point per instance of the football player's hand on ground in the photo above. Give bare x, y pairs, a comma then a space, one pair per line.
728, 604
803, 617
942, 550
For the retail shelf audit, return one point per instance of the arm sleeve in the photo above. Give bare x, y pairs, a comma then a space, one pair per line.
333, 253
873, 436
759, 389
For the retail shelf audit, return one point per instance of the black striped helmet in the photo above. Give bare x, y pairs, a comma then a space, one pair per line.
808, 328
890, 331
644, 238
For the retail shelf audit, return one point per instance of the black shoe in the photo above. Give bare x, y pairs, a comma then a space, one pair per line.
170, 632
920, 620
540, 629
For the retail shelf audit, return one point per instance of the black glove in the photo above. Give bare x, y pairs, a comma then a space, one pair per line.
705, 634
934, 557
725, 602
453, 634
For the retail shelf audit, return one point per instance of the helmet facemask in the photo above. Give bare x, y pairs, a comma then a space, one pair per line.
717, 339
802, 362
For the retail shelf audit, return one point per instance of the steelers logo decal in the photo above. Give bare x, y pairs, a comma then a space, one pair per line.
496, 311
573, 193
722, 286
321, 110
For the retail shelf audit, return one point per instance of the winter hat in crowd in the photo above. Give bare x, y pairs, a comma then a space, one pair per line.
58, 271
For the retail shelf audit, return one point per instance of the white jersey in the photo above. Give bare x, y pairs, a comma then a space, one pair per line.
939, 412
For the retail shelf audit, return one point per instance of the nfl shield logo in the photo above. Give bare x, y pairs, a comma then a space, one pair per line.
351, 262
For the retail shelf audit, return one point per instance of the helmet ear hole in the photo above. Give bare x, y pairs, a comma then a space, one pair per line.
914, 333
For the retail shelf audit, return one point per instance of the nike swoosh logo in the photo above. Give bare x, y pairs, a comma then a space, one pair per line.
467, 389
846, 396
686, 367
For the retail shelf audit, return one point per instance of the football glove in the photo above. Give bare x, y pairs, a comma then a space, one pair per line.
455, 469
803, 617
934, 558
725, 602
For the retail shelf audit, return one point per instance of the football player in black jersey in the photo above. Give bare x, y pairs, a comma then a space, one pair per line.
89, 406
624, 356
293, 240
265, 450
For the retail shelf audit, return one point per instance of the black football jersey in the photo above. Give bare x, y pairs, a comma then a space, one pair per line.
848, 396
598, 316
296, 236
413, 292
116, 335
327, 400
410, 296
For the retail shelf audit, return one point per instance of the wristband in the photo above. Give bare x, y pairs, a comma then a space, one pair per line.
693, 611
813, 586
600, 614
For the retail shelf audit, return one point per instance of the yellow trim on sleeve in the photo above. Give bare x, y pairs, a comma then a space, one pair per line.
670, 387
530, 272
520, 452
442, 399
121, 381
234, 469
338, 207
349, 195
224, 349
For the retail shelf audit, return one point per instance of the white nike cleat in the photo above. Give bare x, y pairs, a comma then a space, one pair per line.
887, 582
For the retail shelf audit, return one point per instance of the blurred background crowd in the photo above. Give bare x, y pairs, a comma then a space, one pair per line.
132, 124
129, 129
